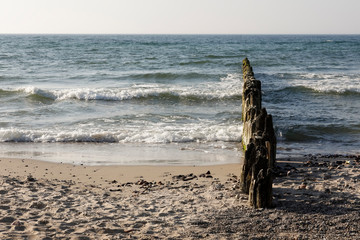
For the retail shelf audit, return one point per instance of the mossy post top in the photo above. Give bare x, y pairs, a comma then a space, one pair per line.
247, 69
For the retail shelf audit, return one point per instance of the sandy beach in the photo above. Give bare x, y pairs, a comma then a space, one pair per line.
315, 197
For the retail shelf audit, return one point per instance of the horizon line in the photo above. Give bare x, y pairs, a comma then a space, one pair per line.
180, 34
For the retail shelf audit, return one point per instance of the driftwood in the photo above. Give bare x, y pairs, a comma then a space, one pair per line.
259, 143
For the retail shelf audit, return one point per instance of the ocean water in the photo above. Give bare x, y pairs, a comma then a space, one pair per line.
173, 99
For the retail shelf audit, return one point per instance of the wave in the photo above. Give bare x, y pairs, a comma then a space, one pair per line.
133, 94
316, 132
298, 136
228, 88
5, 93
338, 84
323, 90
155, 133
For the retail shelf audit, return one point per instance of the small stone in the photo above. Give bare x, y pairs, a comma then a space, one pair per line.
7, 220
30, 178
19, 226
116, 190
38, 205
43, 221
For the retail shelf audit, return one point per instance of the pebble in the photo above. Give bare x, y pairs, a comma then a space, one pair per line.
38, 205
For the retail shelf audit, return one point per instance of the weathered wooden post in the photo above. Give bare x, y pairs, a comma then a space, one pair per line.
259, 143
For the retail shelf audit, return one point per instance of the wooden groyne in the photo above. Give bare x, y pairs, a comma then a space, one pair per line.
259, 143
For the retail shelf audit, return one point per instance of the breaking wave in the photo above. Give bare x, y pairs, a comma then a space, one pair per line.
228, 88
152, 134
315, 82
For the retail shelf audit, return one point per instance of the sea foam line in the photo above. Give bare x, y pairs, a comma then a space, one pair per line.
151, 134
227, 87
324, 83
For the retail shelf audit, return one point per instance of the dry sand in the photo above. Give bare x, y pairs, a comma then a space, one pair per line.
316, 197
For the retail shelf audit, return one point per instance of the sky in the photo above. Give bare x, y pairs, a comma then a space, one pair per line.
180, 16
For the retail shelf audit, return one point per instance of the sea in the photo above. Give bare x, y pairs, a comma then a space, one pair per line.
173, 99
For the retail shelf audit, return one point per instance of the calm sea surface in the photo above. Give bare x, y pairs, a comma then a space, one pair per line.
127, 93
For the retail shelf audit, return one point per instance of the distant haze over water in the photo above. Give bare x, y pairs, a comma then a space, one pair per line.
178, 90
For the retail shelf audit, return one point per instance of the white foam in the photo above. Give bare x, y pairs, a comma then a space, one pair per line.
140, 128
227, 87
329, 82
151, 133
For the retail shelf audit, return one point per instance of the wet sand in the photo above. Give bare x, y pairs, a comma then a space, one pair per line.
315, 197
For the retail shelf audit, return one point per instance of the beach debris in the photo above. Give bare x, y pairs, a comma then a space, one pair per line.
184, 178
206, 175
128, 184
259, 143
142, 182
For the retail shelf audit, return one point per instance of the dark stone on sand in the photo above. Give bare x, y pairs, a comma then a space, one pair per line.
206, 175
7, 220
142, 182
19, 226
116, 190
185, 178
4, 207
128, 184
38, 205
43, 222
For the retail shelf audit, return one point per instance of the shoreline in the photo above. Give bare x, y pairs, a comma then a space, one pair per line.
17, 167
315, 197
125, 154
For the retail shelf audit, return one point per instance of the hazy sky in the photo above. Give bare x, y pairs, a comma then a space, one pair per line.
181, 16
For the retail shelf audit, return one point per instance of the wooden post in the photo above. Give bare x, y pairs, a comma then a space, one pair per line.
259, 143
